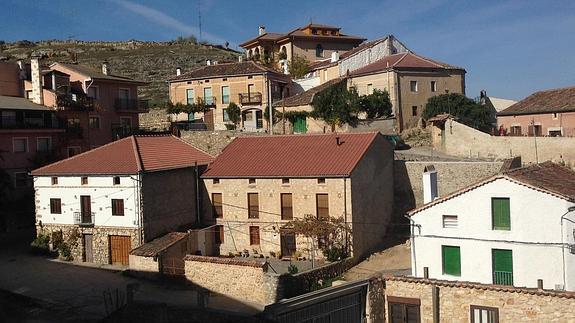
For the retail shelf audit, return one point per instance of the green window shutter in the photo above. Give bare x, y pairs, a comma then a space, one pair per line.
502, 266
451, 258
501, 215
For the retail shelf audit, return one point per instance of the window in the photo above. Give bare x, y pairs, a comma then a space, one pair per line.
250, 77
117, 207
369, 89
124, 94
483, 314
287, 206
515, 131
226, 115
208, 98
20, 145
84, 180
500, 214
414, 110
502, 262
116, 180
225, 94
451, 260
219, 234
318, 50
190, 96
403, 310
215, 181
72, 151
21, 179
322, 206
94, 122
93, 92
285, 180
433, 85
55, 206
413, 86
253, 206
321, 180
43, 144
224, 79
555, 115
217, 207
254, 236
554, 133
450, 221
251, 181
54, 180
534, 130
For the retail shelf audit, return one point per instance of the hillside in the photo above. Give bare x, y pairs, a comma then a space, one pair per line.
147, 61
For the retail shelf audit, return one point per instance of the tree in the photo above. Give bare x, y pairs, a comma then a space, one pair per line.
465, 109
376, 105
198, 106
336, 105
298, 66
234, 113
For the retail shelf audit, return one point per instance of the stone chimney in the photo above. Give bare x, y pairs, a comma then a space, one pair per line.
106, 69
262, 30
389, 50
334, 57
178, 71
37, 94
429, 184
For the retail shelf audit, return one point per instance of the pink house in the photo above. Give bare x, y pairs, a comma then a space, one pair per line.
543, 113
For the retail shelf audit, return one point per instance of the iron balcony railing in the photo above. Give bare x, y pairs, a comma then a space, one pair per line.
30, 123
131, 104
209, 101
84, 219
120, 131
503, 278
76, 102
250, 98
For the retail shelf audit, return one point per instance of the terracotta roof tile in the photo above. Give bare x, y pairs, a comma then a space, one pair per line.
156, 246
227, 261
315, 155
227, 69
298, 32
306, 97
95, 73
402, 61
549, 101
129, 156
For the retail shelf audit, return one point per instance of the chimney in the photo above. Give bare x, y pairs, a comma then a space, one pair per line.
106, 69
334, 57
429, 184
208, 62
240, 59
37, 95
262, 30
178, 71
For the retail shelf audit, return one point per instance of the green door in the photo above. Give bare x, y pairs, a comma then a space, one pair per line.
502, 266
451, 258
299, 124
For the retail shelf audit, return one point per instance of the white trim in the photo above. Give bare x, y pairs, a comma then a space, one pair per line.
560, 129
27, 145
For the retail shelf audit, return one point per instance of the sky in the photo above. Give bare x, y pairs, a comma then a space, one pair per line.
509, 48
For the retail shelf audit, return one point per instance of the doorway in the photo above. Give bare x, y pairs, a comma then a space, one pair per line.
287, 242
88, 248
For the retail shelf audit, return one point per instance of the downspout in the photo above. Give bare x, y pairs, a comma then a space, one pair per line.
345, 214
563, 217
412, 237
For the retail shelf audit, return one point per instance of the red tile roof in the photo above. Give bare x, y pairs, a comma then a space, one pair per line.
156, 246
228, 69
549, 101
130, 156
315, 155
402, 61
547, 177
306, 97
298, 32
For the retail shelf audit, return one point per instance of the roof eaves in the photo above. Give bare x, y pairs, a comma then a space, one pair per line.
136, 150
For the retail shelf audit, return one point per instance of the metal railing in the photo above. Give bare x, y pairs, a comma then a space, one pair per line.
503, 278
29, 123
250, 98
75, 102
209, 100
120, 131
84, 218
131, 104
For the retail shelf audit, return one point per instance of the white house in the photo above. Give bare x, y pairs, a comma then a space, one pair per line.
514, 228
111, 199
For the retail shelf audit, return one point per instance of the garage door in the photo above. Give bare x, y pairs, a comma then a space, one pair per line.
120, 247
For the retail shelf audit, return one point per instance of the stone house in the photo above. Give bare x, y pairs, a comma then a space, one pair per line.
512, 228
248, 84
544, 113
111, 199
258, 184
313, 42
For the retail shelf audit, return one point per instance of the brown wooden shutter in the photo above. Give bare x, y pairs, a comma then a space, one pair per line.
85, 205
219, 234
253, 206
287, 206
55, 206
322, 206
254, 235
217, 205
117, 207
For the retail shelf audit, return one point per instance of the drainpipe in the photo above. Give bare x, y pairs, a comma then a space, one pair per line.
563, 217
412, 237
345, 214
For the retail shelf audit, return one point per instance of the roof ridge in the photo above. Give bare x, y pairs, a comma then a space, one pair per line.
136, 148
401, 59
310, 134
429, 60
78, 155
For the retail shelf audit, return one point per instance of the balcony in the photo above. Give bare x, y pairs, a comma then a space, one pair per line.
84, 219
30, 123
120, 131
133, 105
503, 278
250, 98
75, 102
208, 101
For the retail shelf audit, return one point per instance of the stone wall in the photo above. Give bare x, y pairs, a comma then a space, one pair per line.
457, 139
213, 142
455, 299
142, 264
100, 239
155, 120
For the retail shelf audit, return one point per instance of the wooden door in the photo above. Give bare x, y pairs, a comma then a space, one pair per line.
86, 208
287, 242
88, 251
209, 119
120, 247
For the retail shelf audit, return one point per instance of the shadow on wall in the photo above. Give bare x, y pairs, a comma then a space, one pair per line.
404, 200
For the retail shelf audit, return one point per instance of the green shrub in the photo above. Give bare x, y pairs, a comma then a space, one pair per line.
41, 245
64, 252
292, 269
334, 253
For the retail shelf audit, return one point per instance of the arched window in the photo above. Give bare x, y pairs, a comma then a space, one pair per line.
318, 50
283, 53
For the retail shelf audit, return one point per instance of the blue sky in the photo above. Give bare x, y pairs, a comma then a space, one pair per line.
510, 48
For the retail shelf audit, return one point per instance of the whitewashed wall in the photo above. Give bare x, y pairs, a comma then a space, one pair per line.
370, 55
101, 191
535, 218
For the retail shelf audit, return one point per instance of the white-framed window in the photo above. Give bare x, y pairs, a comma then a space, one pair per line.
225, 94
433, 86
413, 86
43, 144
93, 92
20, 144
190, 96
226, 115
450, 221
